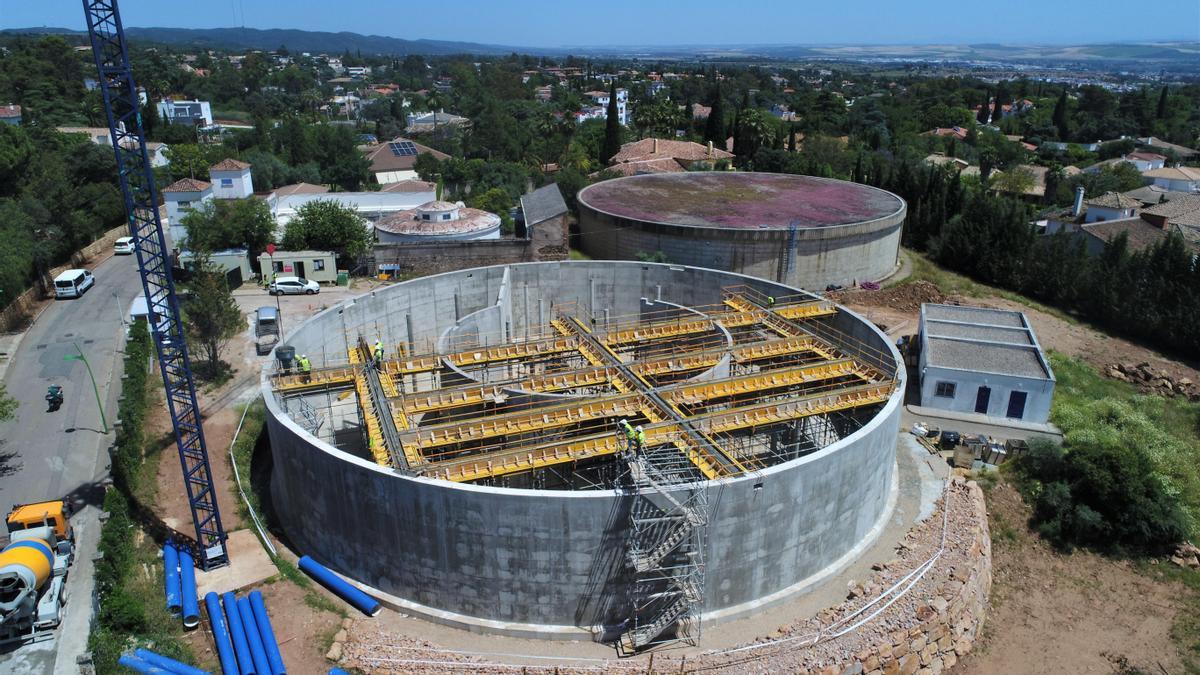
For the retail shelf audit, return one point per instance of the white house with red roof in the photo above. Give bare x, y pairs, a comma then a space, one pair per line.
231, 179
181, 197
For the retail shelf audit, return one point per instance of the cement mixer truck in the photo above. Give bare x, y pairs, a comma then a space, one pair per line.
33, 571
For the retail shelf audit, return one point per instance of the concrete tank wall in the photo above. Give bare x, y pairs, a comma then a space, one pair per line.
550, 563
839, 254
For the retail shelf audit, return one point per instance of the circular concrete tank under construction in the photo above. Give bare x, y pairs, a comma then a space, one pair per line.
802, 231
479, 476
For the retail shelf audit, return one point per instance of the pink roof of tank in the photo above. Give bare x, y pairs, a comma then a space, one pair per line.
740, 200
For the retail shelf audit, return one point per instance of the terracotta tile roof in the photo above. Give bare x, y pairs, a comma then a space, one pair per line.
661, 148
1147, 156
1178, 204
383, 159
1177, 173
1164, 145
229, 165
188, 185
408, 186
659, 165
1142, 235
10, 111
300, 189
1113, 200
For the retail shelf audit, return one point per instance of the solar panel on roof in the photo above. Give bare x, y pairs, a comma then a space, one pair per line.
403, 148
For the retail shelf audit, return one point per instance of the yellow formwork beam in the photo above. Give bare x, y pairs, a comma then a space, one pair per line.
517, 460
522, 422
317, 379
475, 394
375, 442
766, 380
473, 357
658, 330
765, 414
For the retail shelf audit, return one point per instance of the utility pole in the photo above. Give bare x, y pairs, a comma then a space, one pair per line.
95, 389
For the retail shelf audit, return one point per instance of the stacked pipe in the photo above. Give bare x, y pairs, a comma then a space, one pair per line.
246, 643
146, 661
179, 574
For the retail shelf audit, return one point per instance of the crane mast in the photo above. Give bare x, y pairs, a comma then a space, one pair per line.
121, 106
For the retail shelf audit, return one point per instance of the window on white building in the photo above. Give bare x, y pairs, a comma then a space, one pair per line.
185, 206
318, 265
945, 389
226, 182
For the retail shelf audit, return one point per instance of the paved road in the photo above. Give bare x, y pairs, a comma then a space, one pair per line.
46, 455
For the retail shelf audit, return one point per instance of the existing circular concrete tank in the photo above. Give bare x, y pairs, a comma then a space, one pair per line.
552, 563
799, 230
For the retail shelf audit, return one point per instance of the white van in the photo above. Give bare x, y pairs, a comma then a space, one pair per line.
73, 283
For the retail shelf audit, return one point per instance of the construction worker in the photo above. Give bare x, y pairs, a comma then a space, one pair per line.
770, 301
630, 435
305, 368
378, 353
641, 439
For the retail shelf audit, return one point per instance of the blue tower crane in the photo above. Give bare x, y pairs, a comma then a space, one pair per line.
141, 206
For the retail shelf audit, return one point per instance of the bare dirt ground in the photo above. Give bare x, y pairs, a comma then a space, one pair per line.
1077, 613
898, 309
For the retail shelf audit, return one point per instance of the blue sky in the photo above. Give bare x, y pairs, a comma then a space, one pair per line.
555, 23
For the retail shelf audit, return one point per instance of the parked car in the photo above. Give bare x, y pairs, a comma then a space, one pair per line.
293, 286
123, 246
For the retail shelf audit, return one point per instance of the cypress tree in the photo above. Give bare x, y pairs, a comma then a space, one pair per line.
612, 128
714, 127
1060, 116
1162, 104
792, 141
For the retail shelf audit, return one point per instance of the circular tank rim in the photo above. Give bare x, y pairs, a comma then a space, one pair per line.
894, 401
903, 207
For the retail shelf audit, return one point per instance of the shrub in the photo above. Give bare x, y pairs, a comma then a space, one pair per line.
1100, 496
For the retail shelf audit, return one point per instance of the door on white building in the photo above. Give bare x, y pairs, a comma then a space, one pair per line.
1016, 405
982, 398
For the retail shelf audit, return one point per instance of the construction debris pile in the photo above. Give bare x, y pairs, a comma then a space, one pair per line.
1153, 380
905, 297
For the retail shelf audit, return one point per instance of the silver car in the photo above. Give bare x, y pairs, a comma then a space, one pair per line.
293, 286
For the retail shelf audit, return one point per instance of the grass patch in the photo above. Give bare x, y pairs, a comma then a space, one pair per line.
129, 575
1090, 408
576, 254
952, 283
243, 453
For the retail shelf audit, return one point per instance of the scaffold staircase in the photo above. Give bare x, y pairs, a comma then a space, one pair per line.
664, 551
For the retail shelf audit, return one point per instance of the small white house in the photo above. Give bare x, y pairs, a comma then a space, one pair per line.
181, 197
1146, 161
196, 113
1110, 206
600, 98
1179, 179
231, 179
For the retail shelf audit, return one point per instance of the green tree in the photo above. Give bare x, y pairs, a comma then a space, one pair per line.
213, 318
336, 153
1061, 117
191, 160
494, 200
714, 126
1161, 110
612, 128
325, 225
230, 223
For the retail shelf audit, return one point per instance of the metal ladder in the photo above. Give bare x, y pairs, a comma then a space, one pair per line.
664, 551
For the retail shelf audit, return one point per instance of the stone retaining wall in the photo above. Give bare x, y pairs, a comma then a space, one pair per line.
18, 311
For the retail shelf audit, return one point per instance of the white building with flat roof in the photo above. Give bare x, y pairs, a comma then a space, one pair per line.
983, 361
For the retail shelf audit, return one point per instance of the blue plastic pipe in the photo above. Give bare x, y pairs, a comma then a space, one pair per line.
139, 666
170, 664
261, 666
361, 601
337, 671
238, 634
270, 643
187, 583
171, 577
221, 635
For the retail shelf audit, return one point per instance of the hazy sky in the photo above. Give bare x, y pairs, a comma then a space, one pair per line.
555, 23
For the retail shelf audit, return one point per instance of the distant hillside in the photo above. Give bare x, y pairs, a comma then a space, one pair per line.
295, 40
